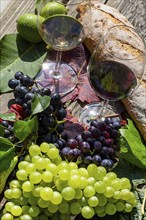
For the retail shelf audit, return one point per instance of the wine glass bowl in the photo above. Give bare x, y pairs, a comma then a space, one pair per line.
116, 67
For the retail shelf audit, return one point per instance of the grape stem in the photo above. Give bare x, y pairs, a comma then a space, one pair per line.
143, 203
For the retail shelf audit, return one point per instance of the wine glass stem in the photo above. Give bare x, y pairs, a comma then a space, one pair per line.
57, 73
103, 109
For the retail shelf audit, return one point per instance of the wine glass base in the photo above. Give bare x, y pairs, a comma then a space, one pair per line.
92, 112
63, 84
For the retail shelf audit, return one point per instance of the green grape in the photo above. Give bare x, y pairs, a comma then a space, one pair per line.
107, 180
16, 193
28, 158
83, 172
56, 198
22, 165
57, 160
36, 191
102, 199
26, 194
52, 168
109, 192
23, 200
110, 209
68, 193
63, 207
132, 199
16, 210
101, 215
8, 206
83, 182
125, 194
92, 170
34, 158
44, 147
52, 208
7, 216
27, 186
34, 150
30, 168
127, 207
125, 183
116, 184
93, 201
74, 181
14, 184
87, 212
40, 163
35, 177
117, 194
21, 175
72, 166
60, 185
100, 186
83, 201
74, 172
46, 211
55, 216
47, 176
25, 209
78, 193
119, 206
32, 200
64, 217
91, 181
26, 217
46, 193
8, 193
64, 174
43, 217
42, 203
47, 160
75, 208
34, 211
89, 191
53, 153
112, 175
63, 165
100, 174
112, 200
99, 209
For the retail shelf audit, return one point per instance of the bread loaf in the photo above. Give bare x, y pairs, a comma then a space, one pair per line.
104, 17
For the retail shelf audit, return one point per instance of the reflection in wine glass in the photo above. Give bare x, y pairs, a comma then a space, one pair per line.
63, 32
115, 69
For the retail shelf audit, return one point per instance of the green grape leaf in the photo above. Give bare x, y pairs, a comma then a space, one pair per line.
22, 129
6, 147
39, 104
132, 147
8, 116
2, 130
17, 54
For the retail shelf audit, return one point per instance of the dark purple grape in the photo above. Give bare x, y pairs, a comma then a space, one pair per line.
114, 134
35, 90
54, 138
106, 163
61, 114
45, 91
70, 156
26, 80
61, 143
101, 125
86, 134
28, 96
49, 110
72, 143
84, 147
108, 142
19, 101
96, 159
7, 133
12, 83
65, 151
55, 99
87, 159
21, 91
59, 128
97, 146
90, 141
79, 138
104, 151
64, 135
5, 123
94, 123
95, 132
102, 140
18, 75
76, 152
105, 134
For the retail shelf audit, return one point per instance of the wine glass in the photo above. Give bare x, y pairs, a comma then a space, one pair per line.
115, 70
63, 32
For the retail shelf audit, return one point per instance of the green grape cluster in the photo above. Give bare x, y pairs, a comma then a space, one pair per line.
47, 187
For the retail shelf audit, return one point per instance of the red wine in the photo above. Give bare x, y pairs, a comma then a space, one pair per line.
112, 80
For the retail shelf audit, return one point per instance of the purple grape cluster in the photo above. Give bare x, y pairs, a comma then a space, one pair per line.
98, 144
50, 120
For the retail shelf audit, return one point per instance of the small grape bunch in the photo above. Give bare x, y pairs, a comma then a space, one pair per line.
98, 144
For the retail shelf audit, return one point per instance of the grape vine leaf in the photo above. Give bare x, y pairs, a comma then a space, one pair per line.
39, 104
18, 54
132, 147
22, 129
8, 116
6, 147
